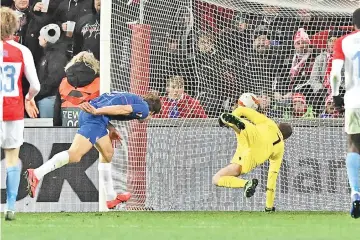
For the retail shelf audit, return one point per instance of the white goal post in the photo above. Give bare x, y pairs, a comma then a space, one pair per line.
223, 48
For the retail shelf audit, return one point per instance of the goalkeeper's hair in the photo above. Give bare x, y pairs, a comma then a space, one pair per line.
356, 18
285, 129
154, 102
9, 22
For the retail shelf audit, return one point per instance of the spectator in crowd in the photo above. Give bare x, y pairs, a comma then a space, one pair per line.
234, 46
21, 8
322, 66
266, 64
87, 32
301, 62
9, 3
177, 104
330, 110
39, 17
82, 83
72, 10
300, 108
50, 69
300, 66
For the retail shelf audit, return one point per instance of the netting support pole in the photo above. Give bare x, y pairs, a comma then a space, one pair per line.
105, 75
137, 143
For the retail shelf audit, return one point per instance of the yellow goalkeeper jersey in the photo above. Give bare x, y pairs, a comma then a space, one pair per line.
261, 140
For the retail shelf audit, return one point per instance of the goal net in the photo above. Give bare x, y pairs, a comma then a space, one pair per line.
200, 56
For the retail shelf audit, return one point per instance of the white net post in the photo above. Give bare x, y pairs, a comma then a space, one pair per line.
105, 69
221, 49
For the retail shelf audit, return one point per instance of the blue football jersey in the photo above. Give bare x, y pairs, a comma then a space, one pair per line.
139, 106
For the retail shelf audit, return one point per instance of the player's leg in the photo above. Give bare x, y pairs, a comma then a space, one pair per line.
352, 127
106, 150
13, 139
228, 176
79, 147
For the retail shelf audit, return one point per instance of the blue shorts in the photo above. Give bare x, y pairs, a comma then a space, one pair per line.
92, 127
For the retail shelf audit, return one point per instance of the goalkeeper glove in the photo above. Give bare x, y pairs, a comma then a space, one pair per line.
270, 210
339, 103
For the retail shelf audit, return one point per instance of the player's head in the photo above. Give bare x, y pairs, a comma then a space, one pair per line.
153, 100
356, 19
9, 22
285, 129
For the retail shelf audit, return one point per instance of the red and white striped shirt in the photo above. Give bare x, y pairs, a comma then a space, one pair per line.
17, 60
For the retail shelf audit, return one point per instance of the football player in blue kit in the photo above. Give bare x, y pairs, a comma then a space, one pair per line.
96, 130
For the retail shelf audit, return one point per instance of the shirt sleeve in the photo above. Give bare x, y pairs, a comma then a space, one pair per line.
140, 111
274, 168
250, 114
338, 51
337, 64
30, 73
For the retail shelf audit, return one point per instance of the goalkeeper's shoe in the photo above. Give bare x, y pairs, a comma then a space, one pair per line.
232, 121
32, 182
355, 206
250, 187
120, 198
9, 215
270, 210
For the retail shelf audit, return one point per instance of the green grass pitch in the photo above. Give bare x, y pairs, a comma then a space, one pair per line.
181, 225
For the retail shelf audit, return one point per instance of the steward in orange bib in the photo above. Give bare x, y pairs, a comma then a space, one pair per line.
81, 84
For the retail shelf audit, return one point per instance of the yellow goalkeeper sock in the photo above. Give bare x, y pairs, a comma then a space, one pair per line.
231, 182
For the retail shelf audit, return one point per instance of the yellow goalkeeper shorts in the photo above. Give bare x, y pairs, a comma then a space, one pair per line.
244, 158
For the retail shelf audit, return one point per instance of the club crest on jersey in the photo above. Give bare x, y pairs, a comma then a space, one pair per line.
5, 53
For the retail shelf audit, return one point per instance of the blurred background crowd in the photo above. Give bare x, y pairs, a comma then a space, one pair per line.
212, 55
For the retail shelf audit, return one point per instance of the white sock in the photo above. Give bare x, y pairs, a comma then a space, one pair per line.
106, 177
57, 161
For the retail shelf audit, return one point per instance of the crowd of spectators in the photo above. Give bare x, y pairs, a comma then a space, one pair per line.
282, 55
64, 38
213, 55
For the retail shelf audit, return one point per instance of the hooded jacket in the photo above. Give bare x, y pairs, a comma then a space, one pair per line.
50, 69
78, 77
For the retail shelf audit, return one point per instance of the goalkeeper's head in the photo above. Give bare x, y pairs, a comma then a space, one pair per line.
356, 19
285, 129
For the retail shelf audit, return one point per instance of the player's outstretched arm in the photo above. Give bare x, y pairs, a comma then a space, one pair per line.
108, 110
250, 114
115, 110
274, 168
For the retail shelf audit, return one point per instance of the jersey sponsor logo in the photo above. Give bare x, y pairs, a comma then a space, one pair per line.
9, 77
139, 114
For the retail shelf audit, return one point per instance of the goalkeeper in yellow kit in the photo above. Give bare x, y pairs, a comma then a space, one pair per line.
258, 139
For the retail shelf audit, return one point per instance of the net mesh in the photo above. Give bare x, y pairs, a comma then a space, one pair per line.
207, 53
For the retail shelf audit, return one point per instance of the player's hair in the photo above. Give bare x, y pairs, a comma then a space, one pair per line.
154, 102
356, 18
285, 129
9, 22
87, 58
176, 80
